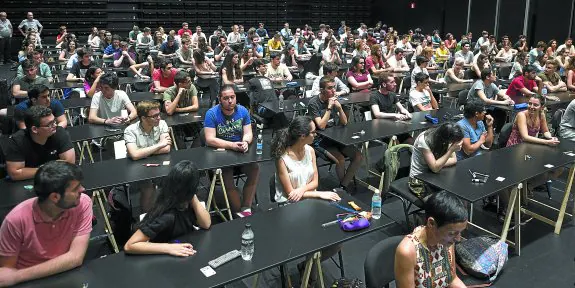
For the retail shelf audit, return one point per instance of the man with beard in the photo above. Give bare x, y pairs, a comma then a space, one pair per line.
42, 141
48, 234
228, 126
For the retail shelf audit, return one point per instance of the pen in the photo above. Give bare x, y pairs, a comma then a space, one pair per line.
329, 223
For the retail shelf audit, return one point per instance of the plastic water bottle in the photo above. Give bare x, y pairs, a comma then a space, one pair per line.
260, 144
544, 91
376, 205
247, 243
281, 102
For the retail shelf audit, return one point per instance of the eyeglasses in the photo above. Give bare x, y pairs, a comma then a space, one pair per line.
50, 125
157, 115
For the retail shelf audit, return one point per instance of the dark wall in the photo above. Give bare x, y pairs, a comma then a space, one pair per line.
482, 17
549, 20
511, 20
455, 17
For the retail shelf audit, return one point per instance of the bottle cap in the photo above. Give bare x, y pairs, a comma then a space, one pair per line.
248, 225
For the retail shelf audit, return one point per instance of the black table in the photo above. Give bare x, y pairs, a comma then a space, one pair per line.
290, 105
74, 103
141, 96
132, 80
65, 84
274, 245
511, 164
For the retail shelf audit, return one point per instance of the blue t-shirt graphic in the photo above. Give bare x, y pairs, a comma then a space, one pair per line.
229, 128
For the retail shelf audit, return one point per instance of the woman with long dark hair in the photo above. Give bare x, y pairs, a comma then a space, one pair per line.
433, 150
231, 69
68, 50
357, 76
206, 74
288, 57
176, 211
92, 80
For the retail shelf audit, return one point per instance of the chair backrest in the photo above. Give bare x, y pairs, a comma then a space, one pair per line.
504, 135
469, 74
556, 121
504, 72
273, 188
392, 163
379, 263
462, 97
313, 65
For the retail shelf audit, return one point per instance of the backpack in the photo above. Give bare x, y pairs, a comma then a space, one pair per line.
481, 257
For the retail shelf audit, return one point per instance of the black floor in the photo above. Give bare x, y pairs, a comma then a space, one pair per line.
547, 260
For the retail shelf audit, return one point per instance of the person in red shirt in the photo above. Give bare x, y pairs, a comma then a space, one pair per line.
163, 77
524, 86
184, 29
48, 234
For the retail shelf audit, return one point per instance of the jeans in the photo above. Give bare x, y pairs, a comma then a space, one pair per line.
5, 49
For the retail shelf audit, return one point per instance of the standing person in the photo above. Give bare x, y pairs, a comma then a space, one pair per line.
6, 31
30, 23
175, 213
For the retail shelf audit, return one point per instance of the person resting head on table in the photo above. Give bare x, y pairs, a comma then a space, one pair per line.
228, 125
297, 177
433, 150
477, 129
174, 214
47, 234
416, 260
40, 95
42, 141
421, 97
107, 105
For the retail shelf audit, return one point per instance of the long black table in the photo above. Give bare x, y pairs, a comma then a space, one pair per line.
274, 245
512, 164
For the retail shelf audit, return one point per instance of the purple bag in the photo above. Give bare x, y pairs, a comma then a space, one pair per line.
357, 223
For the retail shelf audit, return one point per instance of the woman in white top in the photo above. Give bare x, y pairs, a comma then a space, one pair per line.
505, 54
296, 177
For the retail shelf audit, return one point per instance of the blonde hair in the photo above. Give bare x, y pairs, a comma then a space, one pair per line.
146, 106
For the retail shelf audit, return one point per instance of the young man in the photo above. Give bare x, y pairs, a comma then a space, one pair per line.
113, 47
41, 142
523, 86
477, 129
228, 126
331, 70
286, 32
486, 90
398, 62
79, 69
222, 49
537, 51
482, 40
421, 97
385, 103
277, 71
47, 234
466, 54
326, 111
182, 97
568, 45
43, 68
551, 78
196, 37
6, 31
107, 105
133, 35
22, 85
168, 48
184, 54
148, 136
163, 76
404, 44
123, 58
40, 95
184, 30
261, 31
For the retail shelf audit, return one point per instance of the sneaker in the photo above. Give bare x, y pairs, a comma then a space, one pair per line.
244, 213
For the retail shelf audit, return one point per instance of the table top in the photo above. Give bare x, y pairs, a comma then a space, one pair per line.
350, 134
274, 245
290, 105
66, 84
141, 96
508, 163
132, 80
72, 103
564, 97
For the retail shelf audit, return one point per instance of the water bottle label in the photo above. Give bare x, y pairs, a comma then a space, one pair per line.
376, 204
259, 146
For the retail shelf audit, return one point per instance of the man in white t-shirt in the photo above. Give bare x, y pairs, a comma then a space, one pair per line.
568, 45
421, 98
398, 62
107, 105
276, 71
196, 37
404, 44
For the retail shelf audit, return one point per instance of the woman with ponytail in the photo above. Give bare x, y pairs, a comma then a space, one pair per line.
296, 177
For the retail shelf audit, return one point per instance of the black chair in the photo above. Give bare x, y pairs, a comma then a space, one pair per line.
462, 97
504, 72
380, 261
313, 65
504, 135
556, 121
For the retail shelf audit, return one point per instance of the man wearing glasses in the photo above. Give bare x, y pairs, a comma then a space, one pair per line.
41, 142
148, 136
23, 84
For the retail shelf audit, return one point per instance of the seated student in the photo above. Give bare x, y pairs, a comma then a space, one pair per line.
375, 63
28, 49
358, 77
465, 53
427, 255
524, 86
330, 69
47, 234
123, 58
40, 95
551, 78
228, 126
540, 62
22, 85
42, 141
107, 105
146, 137
567, 126
43, 68
455, 74
184, 54
79, 68
92, 81
288, 58
276, 71
163, 76
175, 213
182, 97
433, 150
145, 69
486, 90
476, 136
421, 63
385, 103
331, 55
114, 47
168, 48
421, 97
276, 43
222, 50
247, 58
481, 63
206, 73
398, 62
326, 112
68, 51
505, 54
537, 51
231, 69
529, 123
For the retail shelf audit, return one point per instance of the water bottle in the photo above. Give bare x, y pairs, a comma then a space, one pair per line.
247, 243
281, 102
376, 205
260, 144
544, 91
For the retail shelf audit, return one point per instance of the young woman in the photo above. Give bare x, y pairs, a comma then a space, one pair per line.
158, 40
563, 60
517, 68
288, 57
176, 211
389, 49
27, 49
231, 69
529, 123
203, 45
540, 62
374, 63
357, 76
433, 150
450, 42
248, 58
455, 74
95, 39
505, 54
206, 75
428, 53
426, 257
360, 50
92, 80
482, 63
436, 39
551, 49
62, 32
570, 68
68, 50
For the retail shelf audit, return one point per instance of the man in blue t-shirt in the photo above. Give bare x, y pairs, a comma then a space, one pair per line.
228, 126
40, 95
475, 135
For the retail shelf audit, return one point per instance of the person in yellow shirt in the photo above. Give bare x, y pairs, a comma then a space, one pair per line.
276, 44
441, 53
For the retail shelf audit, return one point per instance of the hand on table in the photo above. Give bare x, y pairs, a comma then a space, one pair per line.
296, 194
180, 249
165, 141
553, 141
330, 196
